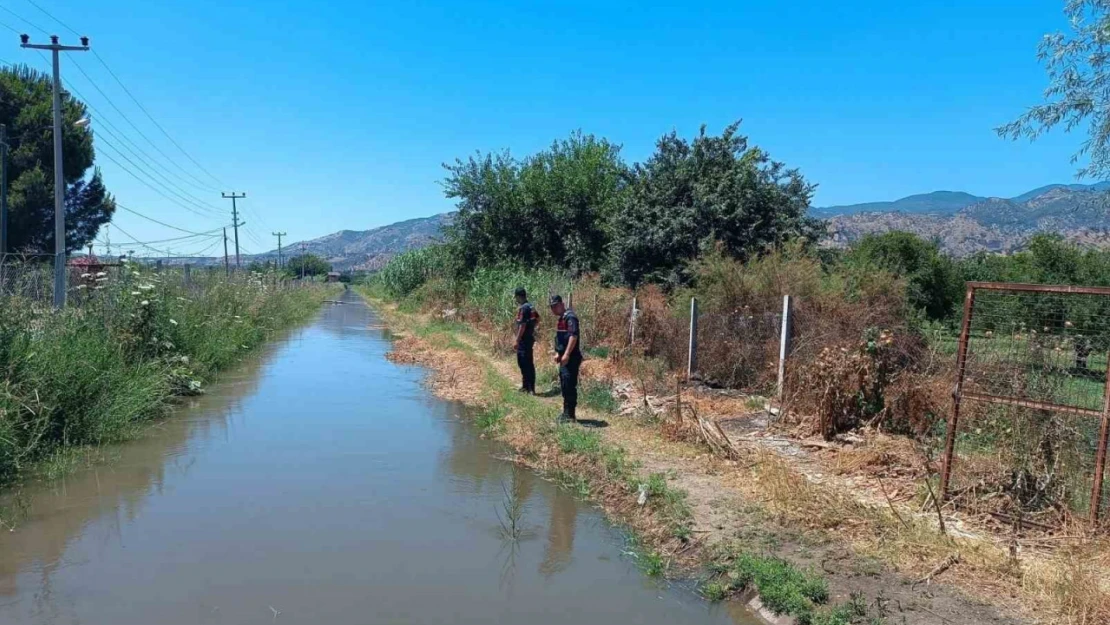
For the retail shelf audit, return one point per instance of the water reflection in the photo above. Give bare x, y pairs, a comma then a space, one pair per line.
49, 516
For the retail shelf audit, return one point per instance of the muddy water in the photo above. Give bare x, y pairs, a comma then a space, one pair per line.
322, 484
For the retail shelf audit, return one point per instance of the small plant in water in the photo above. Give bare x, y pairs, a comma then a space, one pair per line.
513, 507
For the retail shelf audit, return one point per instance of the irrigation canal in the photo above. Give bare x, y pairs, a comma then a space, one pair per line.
320, 483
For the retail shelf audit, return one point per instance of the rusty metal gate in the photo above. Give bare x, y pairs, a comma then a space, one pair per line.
1033, 382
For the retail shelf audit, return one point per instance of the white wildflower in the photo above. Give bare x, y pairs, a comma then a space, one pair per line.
135, 293
145, 302
173, 322
86, 275
146, 287
100, 274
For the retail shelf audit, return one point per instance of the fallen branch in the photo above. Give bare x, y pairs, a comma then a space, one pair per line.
949, 562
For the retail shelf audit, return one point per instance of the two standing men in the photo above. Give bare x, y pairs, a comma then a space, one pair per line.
568, 353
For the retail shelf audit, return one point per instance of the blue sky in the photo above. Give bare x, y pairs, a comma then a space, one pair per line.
337, 115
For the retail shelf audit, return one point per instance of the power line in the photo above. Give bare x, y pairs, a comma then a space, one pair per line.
176, 190
47, 13
26, 21
154, 121
11, 28
133, 126
154, 188
135, 241
160, 223
185, 238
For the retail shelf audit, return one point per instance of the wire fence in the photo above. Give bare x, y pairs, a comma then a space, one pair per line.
32, 277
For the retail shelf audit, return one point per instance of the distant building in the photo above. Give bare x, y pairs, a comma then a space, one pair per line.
333, 276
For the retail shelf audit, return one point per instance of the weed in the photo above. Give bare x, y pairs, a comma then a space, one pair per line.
598, 351
490, 419
575, 440
598, 396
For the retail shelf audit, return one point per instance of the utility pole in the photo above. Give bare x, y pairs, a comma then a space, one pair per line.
235, 223
59, 180
279, 235
3, 192
302, 262
227, 265
108, 239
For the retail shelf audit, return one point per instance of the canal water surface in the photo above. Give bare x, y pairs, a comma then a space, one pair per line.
321, 483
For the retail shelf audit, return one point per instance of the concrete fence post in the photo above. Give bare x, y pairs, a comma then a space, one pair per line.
188, 275
692, 359
632, 323
158, 266
784, 342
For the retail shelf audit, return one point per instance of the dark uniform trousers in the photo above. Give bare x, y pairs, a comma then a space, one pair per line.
527, 366
568, 383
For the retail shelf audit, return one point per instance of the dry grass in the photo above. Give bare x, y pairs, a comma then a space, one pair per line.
1067, 583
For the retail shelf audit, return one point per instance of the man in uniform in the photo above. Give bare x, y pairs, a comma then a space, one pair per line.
526, 318
567, 355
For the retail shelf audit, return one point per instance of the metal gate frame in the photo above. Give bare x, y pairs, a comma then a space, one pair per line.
958, 394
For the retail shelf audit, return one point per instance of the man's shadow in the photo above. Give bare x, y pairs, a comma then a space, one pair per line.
593, 423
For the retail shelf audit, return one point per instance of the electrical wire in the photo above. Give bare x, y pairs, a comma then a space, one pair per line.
154, 121
132, 124
108, 130
160, 223
185, 197
25, 20
48, 14
135, 241
152, 187
11, 28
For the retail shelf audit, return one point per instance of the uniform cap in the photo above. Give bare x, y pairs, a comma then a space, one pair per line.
555, 299
520, 292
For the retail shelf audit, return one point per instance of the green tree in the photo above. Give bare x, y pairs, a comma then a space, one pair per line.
26, 110
313, 265
549, 209
715, 188
933, 281
1078, 85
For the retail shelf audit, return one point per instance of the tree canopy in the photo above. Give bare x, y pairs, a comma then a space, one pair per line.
933, 281
713, 189
313, 265
26, 111
577, 206
1078, 85
549, 209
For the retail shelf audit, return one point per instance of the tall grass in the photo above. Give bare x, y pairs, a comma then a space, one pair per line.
94, 373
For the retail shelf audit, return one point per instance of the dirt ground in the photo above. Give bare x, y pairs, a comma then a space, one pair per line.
730, 506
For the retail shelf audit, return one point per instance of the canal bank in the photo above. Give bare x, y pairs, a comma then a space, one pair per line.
741, 530
321, 483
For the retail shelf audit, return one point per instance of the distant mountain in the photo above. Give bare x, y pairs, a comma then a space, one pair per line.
937, 202
368, 249
1080, 213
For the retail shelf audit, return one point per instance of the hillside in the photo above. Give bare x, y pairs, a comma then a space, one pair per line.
368, 249
940, 202
1080, 213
